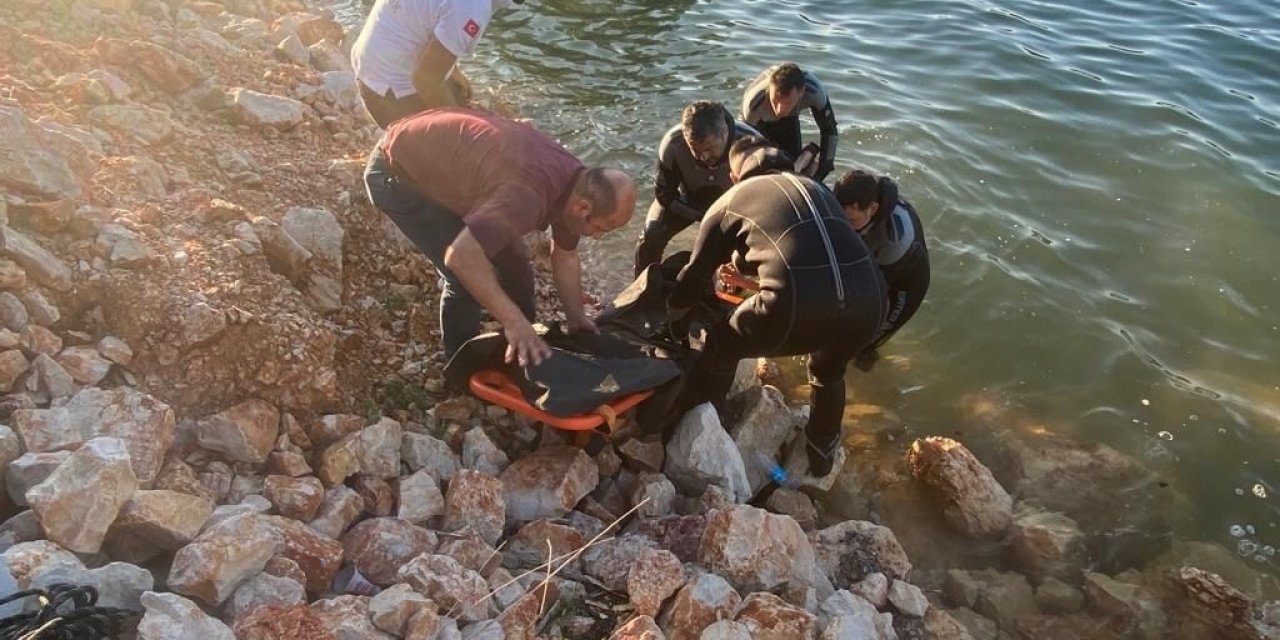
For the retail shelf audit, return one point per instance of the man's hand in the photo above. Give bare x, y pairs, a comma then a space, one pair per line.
524, 347
583, 324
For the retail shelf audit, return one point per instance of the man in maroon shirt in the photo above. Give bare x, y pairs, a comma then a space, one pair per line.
466, 186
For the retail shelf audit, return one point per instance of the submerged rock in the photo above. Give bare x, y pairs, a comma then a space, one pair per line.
78, 502
971, 499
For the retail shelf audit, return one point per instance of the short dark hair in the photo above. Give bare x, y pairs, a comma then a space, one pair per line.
787, 77
857, 188
598, 190
704, 118
753, 155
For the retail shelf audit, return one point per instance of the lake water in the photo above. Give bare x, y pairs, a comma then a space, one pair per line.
1099, 184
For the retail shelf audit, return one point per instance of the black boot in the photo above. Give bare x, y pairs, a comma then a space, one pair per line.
821, 458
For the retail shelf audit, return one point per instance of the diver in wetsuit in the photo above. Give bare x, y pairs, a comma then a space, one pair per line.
772, 104
820, 290
693, 170
892, 230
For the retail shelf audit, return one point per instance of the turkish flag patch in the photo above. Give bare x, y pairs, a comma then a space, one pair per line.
472, 28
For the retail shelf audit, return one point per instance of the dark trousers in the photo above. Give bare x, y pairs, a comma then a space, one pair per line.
433, 228
785, 134
660, 226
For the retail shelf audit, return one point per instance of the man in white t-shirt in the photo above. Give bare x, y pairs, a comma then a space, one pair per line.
406, 54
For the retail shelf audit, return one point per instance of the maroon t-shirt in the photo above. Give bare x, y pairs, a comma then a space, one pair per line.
503, 178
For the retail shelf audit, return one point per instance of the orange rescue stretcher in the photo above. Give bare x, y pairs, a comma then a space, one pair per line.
732, 281
498, 388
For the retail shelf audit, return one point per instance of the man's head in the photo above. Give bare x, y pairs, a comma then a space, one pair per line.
602, 200
786, 86
752, 156
705, 125
859, 195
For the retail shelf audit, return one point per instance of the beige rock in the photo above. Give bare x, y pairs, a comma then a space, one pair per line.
796, 504
475, 503
548, 483
288, 463
701, 454
874, 588
705, 599
940, 625
755, 549
115, 350
172, 617
29, 470
651, 579
1047, 544
262, 590
347, 617
325, 56
769, 618
451, 586
223, 557
420, 498
609, 561
263, 111
292, 50
13, 315
853, 549
149, 126
42, 266
339, 509
379, 547
40, 310
641, 627
245, 432
12, 276
165, 69
428, 625
971, 499
727, 630
78, 502
392, 609
908, 598
166, 520
374, 451
85, 364
200, 323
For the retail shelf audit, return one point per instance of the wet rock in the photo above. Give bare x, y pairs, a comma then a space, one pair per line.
908, 599
769, 618
1132, 610
479, 453
420, 498
651, 579
705, 599
282, 623
643, 455
262, 111
379, 547
654, 495
392, 609
765, 425
339, 509
1215, 559
471, 552
82, 497
757, 550
1055, 596
701, 454
420, 451
115, 350
148, 126
548, 483
84, 364
245, 432
12, 365
939, 625
1005, 598
727, 630
160, 519
449, 584
796, 504
262, 590
171, 617
610, 561
29, 470
41, 265
1047, 543
223, 557
119, 584
529, 546
972, 501
297, 498
475, 503
347, 618
854, 549
641, 627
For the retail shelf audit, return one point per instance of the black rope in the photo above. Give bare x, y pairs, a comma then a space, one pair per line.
66, 612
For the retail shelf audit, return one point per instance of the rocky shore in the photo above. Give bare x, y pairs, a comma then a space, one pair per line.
222, 408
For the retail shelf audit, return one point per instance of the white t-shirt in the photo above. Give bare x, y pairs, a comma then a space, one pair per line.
396, 32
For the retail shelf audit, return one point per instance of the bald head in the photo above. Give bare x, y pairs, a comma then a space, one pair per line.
606, 197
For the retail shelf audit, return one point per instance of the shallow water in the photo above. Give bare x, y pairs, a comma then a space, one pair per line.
1100, 186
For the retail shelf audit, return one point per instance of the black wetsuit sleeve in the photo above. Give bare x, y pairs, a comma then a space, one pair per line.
715, 245
666, 187
830, 135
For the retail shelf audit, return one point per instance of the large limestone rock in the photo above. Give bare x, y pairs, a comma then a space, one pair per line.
475, 503
652, 578
548, 483
25, 561
246, 432
379, 547
36, 161
770, 618
318, 231
347, 617
318, 557
972, 501
765, 426
373, 451
757, 550
420, 451
610, 560
702, 454
84, 364
166, 70
420, 498
449, 584
851, 550
262, 590
149, 126
261, 110
172, 617
392, 609
119, 584
339, 509
44, 267
223, 557
143, 423
160, 519
1047, 543
29, 470
727, 630
852, 616
282, 623
704, 600
480, 453
78, 502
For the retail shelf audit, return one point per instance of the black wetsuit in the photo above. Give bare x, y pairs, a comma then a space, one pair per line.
897, 241
682, 191
821, 292
784, 130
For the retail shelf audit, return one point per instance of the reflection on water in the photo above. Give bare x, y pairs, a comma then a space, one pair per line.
1098, 182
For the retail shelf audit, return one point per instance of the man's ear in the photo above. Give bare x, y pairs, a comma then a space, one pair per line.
872, 209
